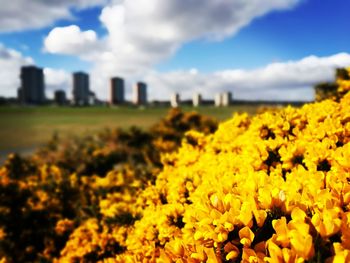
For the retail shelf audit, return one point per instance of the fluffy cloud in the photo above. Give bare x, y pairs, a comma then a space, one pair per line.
16, 15
10, 63
292, 80
57, 79
71, 40
142, 33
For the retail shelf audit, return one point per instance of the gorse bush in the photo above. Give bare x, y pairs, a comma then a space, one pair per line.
269, 188
70, 182
274, 187
140, 148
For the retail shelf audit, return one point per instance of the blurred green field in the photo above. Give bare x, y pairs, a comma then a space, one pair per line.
25, 128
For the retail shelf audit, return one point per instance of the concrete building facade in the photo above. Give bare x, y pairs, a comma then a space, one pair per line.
117, 91
140, 93
80, 88
218, 100
223, 99
175, 100
226, 98
196, 99
32, 90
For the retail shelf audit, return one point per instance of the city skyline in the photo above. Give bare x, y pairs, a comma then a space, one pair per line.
274, 49
32, 90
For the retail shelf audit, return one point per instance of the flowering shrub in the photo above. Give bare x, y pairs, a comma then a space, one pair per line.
274, 187
271, 188
69, 186
99, 154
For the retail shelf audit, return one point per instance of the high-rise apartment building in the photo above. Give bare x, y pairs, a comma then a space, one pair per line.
32, 90
117, 91
175, 100
218, 100
196, 99
140, 93
80, 88
226, 98
223, 99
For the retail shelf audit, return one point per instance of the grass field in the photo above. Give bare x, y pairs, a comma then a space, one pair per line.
25, 128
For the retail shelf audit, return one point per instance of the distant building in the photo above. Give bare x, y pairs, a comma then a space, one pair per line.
117, 91
140, 93
196, 99
218, 100
223, 99
175, 100
32, 90
92, 99
226, 98
80, 88
60, 97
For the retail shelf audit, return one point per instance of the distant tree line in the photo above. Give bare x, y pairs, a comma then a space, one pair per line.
334, 90
7, 101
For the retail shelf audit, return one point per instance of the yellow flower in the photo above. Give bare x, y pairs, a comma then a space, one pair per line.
246, 236
281, 228
327, 222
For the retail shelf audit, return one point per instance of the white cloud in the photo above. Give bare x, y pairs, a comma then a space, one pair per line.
57, 79
17, 15
10, 64
70, 40
142, 33
292, 80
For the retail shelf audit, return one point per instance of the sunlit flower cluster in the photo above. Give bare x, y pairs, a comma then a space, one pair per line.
77, 200
269, 188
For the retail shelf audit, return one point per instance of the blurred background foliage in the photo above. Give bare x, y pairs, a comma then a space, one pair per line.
334, 90
45, 196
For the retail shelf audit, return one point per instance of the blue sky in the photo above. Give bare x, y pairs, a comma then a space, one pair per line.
314, 27
251, 48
